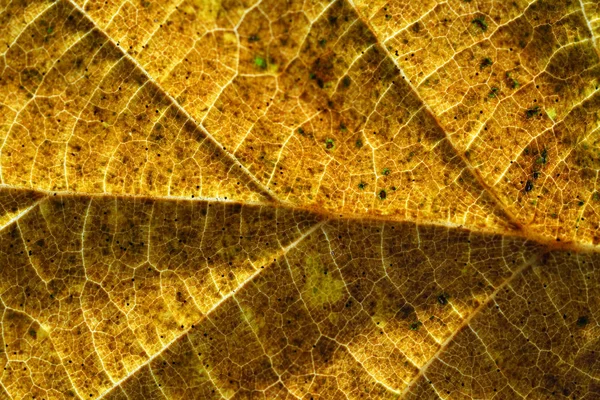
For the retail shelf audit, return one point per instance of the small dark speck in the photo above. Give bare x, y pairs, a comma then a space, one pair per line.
582, 321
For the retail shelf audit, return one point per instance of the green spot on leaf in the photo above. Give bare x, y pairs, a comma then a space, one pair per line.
415, 325
480, 23
543, 159
512, 81
532, 112
260, 62
486, 62
325, 287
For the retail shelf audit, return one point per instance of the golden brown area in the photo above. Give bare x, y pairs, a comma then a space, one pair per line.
299, 200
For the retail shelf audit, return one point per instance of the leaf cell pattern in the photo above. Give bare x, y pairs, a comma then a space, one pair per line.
272, 199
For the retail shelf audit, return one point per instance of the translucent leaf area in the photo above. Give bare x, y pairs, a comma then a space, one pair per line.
285, 199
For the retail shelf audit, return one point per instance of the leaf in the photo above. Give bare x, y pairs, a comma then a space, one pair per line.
345, 199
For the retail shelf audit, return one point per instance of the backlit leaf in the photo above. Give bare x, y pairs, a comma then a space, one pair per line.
299, 199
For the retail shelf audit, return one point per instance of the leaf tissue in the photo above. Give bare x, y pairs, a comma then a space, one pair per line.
269, 199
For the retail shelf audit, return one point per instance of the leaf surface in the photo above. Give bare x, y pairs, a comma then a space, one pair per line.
346, 199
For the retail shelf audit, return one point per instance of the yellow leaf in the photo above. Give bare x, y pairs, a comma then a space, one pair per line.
327, 199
